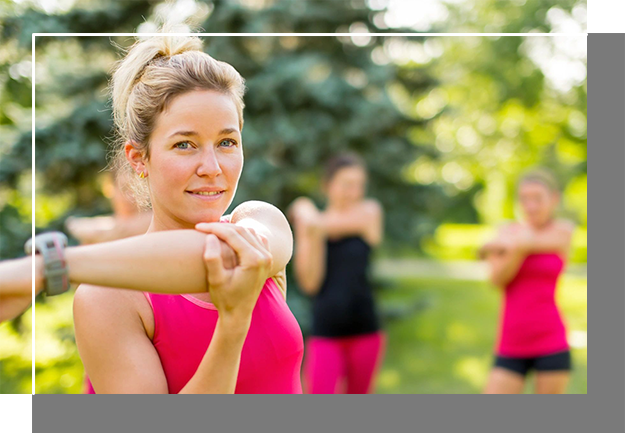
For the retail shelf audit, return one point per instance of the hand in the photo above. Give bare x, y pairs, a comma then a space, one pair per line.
305, 215
522, 238
499, 246
228, 256
235, 291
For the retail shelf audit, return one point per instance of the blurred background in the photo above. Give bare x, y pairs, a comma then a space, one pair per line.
446, 125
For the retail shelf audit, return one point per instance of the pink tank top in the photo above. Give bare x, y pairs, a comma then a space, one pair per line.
272, 353
531, 324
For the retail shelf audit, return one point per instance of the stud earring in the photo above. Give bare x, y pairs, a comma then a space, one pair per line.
141, 175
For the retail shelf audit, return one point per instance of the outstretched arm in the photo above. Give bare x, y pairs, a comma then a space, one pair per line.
162, 262
504, 256
554, 239
16, 286
16, 277
364, 219
150, 262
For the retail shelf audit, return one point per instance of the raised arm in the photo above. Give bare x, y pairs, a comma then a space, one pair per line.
506, 253
504, 257
233, 291
554, 239
310, 246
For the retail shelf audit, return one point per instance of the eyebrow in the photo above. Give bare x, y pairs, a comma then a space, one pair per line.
225, 131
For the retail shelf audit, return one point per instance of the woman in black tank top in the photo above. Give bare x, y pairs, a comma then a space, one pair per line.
332, 255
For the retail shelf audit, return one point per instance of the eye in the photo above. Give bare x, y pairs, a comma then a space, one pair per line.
227, 142
182, 145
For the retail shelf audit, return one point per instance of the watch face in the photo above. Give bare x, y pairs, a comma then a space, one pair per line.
50, 246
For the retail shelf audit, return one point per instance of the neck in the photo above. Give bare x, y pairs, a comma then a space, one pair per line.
339, 207
160, 224
542, 226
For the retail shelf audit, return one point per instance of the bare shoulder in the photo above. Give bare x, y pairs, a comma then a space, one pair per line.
95, 305
253, 208
507, 227
565, 225
88, 296
372, 206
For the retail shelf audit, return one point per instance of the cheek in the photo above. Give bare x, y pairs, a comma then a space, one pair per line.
232, 168
170, 173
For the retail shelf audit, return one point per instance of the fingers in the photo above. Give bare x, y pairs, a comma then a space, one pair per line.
256, 239
213, 261
263, 242
248, 247
228, 256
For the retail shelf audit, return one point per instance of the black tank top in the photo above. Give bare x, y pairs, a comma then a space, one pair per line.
344, 305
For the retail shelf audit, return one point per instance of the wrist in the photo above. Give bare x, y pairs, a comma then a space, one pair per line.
39, 274
234, 324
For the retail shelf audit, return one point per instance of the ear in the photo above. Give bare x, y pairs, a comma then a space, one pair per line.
135, 157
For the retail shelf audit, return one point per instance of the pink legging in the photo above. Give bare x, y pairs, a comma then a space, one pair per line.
331, 360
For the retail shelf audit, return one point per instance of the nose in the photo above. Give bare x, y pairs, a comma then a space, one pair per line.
208, 164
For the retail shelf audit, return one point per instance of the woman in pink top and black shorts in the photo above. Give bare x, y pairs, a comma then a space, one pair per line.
526, 260
179, 115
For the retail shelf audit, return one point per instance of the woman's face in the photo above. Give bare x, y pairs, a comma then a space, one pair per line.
538, 203
195, 161
347, 186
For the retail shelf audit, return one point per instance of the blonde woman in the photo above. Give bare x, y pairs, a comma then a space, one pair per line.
526, 260
179, 115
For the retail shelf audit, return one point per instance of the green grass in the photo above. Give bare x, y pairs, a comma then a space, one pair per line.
444, 346
447, 347
15, 357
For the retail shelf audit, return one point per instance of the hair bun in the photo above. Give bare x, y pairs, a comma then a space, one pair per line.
129, 70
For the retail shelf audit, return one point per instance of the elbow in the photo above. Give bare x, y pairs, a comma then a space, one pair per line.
310, 289
499, 280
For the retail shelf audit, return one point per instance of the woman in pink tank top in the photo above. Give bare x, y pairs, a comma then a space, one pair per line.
179, 114
526, 260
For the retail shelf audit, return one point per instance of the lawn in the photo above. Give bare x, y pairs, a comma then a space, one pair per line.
441, 333
15, 357
446, 345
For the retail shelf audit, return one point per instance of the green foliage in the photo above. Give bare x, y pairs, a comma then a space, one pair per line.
439, 134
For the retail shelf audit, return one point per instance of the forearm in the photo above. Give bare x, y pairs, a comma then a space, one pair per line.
310, 261
554, 241
16, 276
337, 227
505, 269
219, 369
162, 262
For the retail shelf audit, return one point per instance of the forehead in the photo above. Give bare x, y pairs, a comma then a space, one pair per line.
205, 111
533, 188
350, 173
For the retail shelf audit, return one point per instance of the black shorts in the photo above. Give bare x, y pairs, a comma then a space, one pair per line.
560, 361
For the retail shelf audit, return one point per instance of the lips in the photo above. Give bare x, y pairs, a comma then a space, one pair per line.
207, 193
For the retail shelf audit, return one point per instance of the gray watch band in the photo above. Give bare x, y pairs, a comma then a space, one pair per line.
51, 246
